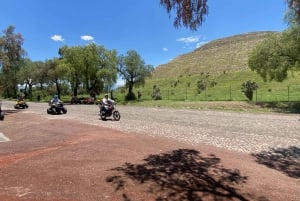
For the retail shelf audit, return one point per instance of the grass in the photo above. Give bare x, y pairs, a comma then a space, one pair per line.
228, 88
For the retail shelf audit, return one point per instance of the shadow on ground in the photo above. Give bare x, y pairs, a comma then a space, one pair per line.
286, 160
283, 106
182, 174
11, 111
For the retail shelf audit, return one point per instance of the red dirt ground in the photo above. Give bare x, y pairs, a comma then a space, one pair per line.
63, 160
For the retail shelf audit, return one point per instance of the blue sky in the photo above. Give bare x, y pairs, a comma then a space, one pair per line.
140, 25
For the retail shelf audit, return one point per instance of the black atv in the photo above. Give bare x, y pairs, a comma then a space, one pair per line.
56, 108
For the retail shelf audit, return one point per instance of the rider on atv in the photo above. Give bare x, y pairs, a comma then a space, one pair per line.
55, 100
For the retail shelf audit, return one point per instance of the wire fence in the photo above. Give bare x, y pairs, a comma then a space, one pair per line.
227, 93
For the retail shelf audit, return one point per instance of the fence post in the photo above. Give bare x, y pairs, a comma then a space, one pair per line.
288, 93
186, 93
256, 95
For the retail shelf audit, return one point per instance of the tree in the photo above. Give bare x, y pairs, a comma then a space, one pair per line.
276, 55
189, 13
54, 74
107, 73
205, 82
41, 74
26, 76
11, 54
248, 88
91, 66
156, 93
134, 71
71, 65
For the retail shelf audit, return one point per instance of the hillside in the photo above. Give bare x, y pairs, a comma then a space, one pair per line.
228, 54
216, 72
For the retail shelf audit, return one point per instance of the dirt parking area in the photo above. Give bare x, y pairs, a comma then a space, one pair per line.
150, 154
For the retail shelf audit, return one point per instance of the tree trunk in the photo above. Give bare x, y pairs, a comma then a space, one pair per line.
57, 88
130, 87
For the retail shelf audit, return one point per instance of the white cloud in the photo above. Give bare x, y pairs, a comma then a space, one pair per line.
57, 38
165, 49
190, 39
87, 38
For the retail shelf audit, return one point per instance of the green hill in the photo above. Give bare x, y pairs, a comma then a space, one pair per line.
228, 54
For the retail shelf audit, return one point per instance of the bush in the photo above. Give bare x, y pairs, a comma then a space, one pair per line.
156, 93
248, 88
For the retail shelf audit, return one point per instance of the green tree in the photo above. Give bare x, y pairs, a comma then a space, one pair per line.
133, 70
26, 76
11, 54
248, 89
204, 82
71, 65
54, 74
276, 55
189, 13
91, 66
40, 74
156, 93
107, 72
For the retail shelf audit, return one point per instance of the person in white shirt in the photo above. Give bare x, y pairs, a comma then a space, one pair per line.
106, 102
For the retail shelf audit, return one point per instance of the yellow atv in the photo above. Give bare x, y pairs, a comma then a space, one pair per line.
21, 104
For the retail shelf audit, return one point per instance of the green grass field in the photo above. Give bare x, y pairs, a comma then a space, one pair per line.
228, 88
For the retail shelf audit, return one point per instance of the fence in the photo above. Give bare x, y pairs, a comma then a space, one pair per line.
227, 93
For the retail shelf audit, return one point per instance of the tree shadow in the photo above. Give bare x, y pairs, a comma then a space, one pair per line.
181, 174
6, 112
281, 106
286, 160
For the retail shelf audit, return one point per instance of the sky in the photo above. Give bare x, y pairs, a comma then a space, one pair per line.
123, 25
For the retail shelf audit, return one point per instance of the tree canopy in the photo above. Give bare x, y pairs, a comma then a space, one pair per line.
11, 54
277, 55
189, 13
133, 70
92, 66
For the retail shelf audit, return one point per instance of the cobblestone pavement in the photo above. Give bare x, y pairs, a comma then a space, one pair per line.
237, 131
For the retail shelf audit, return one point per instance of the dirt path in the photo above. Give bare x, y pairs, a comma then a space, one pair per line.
58, 158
